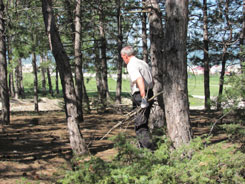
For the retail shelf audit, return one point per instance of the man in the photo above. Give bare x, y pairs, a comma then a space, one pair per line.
141, 89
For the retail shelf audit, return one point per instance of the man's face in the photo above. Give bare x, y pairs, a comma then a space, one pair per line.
125, 58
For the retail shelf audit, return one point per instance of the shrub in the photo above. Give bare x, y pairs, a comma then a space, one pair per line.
192, 163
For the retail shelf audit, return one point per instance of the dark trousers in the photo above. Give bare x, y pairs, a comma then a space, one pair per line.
141, 120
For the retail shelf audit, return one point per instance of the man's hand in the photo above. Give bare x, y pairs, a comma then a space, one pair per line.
144, 103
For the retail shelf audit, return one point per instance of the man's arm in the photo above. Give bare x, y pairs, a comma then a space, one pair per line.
141, 85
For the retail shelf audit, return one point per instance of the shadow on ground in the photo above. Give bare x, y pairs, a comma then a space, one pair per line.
36, 146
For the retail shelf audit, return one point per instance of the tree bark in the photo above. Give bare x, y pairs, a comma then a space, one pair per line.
4, 94
57, 80
22, 92
103, 48
76, 30
119, 59
157, 116
224, 55
11, 75
43, 71
242, 40
78, 61
175, 72
76, 140
35, 87
50, 86
19, 92
98, 71
206, 56
144, 34
85, 97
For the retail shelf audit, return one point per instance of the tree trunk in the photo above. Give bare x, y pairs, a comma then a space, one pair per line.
69, 10
22, 94
144, 34
57, 80
175, 72
98, 70
76, 140
222, 76
78, 61
35, 87
103, 48
242, 40
17, 85
9, 51
3, 70
85, 97
76, 30
157, 116
206, 56
43, 71
119, 59
224, 55
11, 75
50, 86
19, 92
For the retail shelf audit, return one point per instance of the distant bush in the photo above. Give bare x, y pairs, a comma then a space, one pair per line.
193, 163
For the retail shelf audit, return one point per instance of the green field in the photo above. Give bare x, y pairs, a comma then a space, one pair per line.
195, 87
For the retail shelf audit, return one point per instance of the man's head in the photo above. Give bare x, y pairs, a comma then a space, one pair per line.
126, 53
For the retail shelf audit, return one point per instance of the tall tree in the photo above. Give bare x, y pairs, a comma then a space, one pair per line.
3, 70
157, 38
103, 48
98, 74
73, 19
175, 72
76, 140
225, 53
144, 34
78, 59
8, 6
35, 86
11, 68
43, 71
242, 38
119, 48
19, 92
57, 81
206, 56
50, 86
34, 66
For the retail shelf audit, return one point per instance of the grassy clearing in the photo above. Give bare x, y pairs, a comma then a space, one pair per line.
195, 87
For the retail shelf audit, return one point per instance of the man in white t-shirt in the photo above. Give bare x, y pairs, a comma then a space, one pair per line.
141, 89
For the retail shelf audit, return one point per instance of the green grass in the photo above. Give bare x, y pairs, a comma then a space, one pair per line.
195, 87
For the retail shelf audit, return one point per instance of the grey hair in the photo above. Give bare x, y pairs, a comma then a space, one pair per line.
128, 50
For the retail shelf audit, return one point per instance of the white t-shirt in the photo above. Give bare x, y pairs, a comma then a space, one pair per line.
139, 68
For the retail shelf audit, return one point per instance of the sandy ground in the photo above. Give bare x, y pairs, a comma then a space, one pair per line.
44, 104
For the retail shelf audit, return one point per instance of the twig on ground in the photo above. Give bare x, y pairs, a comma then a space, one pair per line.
218, 121
130, 115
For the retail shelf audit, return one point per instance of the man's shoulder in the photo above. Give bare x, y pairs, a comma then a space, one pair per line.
137, 61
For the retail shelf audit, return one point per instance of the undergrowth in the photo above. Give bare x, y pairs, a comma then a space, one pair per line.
192, 163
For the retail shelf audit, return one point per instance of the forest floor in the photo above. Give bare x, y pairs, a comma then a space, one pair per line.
35, 148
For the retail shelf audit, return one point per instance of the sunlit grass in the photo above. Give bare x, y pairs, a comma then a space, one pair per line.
195, 86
